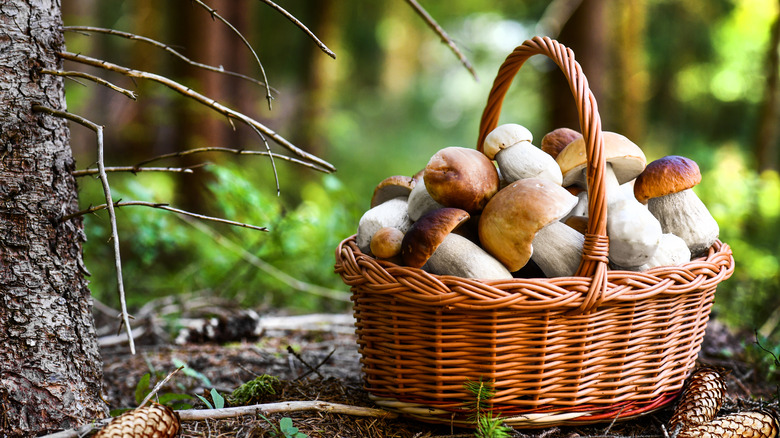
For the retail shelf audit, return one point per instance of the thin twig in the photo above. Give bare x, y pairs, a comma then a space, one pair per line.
290, 406
316, 367
133, 169
158, 386
101, 81
295, 21
271, 156
444, 37
168, 49
231, 151
200, 98
161, 206
109, 202
214, 14
298, 356
267, 267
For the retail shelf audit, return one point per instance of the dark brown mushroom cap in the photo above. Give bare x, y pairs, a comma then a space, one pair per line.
425, 235
461, 178
392, 187
557, 140
667, 175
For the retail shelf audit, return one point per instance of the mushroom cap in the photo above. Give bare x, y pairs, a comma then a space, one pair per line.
626, 158
667, 175
425, 235
386, 242
461, 178
557, 140
392, 187
513, 216
504, 136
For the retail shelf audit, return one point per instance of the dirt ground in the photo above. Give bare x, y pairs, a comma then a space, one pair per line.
316, 358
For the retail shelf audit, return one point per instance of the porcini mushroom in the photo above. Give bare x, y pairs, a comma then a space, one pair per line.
556, 140
522, 221
461, 178
386, 243
666, 186
392, 213
634, 233
430, 244
395, 186
420, 201
517, 158
672, 251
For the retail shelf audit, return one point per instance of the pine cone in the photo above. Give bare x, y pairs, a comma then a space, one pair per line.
154, 421
741, 425
701, 399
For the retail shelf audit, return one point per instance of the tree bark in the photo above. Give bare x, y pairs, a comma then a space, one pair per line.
50, 366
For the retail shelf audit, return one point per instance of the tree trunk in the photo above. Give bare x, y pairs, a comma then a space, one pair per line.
50, 366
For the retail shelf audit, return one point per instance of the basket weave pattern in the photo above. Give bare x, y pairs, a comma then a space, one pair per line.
600, 345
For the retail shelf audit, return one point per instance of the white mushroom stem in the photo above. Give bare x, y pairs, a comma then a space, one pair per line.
671, 251
524, 160
684, 215
458, 256
392, 213
634, 233
557, 250
420, 202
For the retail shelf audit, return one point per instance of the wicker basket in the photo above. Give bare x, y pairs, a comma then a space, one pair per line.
599, 346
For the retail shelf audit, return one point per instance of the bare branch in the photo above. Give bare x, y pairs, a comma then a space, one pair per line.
200, 98
133, 169
111, 214
214, 14
101, 81
161, 206
444, 37
232, 151
168, 49
295, 21
289, 406
273, 163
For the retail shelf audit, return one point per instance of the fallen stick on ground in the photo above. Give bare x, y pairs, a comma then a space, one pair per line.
290, 406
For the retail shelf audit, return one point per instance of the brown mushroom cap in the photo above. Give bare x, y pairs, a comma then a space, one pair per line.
667, 175
461, 178
392, 187
386, 242
557, 140
425, 235
514, 215
626, 158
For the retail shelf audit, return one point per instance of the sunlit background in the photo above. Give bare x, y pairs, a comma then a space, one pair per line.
691, 78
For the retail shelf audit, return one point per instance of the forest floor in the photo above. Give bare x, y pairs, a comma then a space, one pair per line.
315, 357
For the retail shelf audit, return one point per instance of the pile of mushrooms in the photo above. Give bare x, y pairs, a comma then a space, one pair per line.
514, 207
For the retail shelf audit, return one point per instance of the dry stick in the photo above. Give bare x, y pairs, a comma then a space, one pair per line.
158, 386
167, 48
298, 356
216, 106
290, 406
271, 156
232, 151
111, 214
295, 21
92, 78
214, 14
161, 206
133, 169
445, 38
269, 268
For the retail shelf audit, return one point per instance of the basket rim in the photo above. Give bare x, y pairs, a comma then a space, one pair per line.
419, 287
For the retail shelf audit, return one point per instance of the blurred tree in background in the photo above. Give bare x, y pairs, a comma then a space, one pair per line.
693, 77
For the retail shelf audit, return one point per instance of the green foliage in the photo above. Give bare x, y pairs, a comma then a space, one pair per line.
143, 388
216, 397
255, 391
191, 372
285, 429
488, 426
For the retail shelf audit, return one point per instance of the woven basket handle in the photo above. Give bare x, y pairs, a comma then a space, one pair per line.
596, 248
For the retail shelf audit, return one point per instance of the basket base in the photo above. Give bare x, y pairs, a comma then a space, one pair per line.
536, 419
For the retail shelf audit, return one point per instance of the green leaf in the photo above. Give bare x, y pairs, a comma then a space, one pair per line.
142, 388
204, 400
190, 372
219, 401
167, 398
